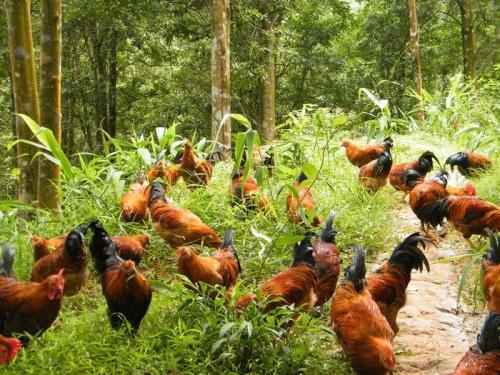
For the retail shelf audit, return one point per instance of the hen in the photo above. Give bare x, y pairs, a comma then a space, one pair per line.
373, 175
131, 247
300, 203
361, 329
72, 257
134, 203
423, 165
469, 215
468, 162
388, 283
195, 172
159, 170
178, 226
8, 349
127, 293
483, 358
249, 193
327, 262
221, 268
491, 273
361, 155
293, 286
44, 246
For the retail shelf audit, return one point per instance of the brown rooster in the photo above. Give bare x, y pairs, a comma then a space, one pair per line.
491, 273
159, 170
134, 203
178, 226
468, 162
8, 349
373, 175
195, 172
423, 165
221, 268
44, 246
388, 283
301, 201
469, 215
72, 258
293, 286
361, 155
127, 293
483, 358
131, 247
249, 194
361, 329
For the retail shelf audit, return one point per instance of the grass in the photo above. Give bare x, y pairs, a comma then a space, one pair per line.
183, 332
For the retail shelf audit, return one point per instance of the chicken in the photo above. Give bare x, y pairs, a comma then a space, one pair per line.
468, 162
262, 156
8, 349
134, 203
483, 358
221, 268
361, 329
178, 226
469, 215
293, 286
423, 165
194, 171
127, 293
491, 273
131, 247
29, 307
373, 176
249, 194
361, 155
72, 258
7, 261
467, 190
388, 283
44, 246
159, 170
327, 262
301, 200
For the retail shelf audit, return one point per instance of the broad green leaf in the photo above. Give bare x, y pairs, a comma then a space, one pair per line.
288, 239
241, 119
309, 170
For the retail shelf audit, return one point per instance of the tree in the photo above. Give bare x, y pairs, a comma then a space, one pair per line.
417, 69
468, 20
268, 125
49, 174
25, 92
221, 101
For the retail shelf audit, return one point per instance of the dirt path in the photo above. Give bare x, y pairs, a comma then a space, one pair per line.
433, 335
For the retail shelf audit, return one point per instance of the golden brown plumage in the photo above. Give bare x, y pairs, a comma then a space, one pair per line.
131, 247
304, 200
362, 330
249, 194
388, 283
491, 273
423, 165
44, 246
362, 155
134, 203
8, 349
468, 190
373, 175
178, 226
72, 257
169, 174
195, 172
221, 268
469, 163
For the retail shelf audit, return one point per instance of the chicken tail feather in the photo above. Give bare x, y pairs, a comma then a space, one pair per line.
303, 251
156, 193
434, 213
356, 272
411, 177
494, 252
384, 164
489, 339
409, 255
461, 159
7, 261
328, 232
228, 243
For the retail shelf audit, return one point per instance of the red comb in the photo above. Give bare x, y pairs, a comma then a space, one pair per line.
471, 189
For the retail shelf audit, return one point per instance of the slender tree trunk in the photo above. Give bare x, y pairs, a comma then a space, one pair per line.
12, 104
221, 100
25, 91
49, 174
268, 127
414, 45
468, 16
113, 77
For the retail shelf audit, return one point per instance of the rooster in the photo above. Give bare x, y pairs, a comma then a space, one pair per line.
468, 162
43, 246
194, 171
7, 261
469, 215
293, 286
221, 268
131, 247
361, 329
373, 175
388, 283
72, 258
483, 358
134, 203
8, 349
361, 155
468, 190
248, 194
127, 293
178, 226
159, 170
302, 200
423, 165
491, 272
327, 261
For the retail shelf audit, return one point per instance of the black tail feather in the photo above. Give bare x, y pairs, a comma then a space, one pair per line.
409, 255
303, 251
211, 156
433, 213
7, 262
356, 272
459, 159
156, 193
178, 157
493, 254
411, 177
384, 164
489, 338
425, 162
301, 177
442, 175
328, 232
102, 248
228, 243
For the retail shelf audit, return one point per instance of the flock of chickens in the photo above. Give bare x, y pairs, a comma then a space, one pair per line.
363, 308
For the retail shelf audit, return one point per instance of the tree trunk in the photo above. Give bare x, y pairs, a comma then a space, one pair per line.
12, 106
49, 174
112, 79
221, 101
268, 127
417, 69
468, 16
25, 92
